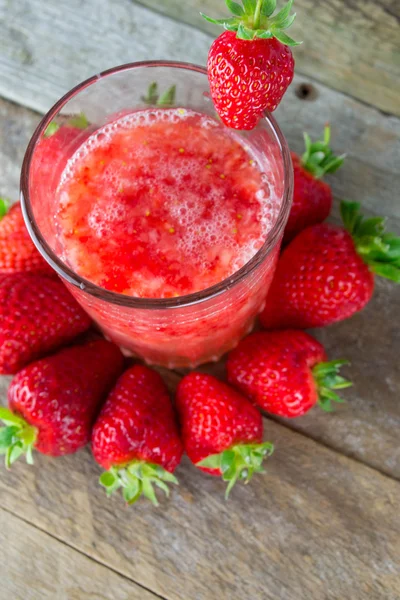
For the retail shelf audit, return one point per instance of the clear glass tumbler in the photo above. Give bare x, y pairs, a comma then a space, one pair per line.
174, 332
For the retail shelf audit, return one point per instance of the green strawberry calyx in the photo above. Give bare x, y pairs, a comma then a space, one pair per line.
4, 206
378, 249
254, 19
137, 478
238, 463
319, 158
327, 379
79, 121
165, 99
16, 438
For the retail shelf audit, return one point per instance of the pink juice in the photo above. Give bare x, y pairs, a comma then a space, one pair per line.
159, 204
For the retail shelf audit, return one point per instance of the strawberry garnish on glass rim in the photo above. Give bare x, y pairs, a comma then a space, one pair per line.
250, 66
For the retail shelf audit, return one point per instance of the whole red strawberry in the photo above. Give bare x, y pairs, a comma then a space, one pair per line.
135, 437
222, 432
37, 316
312, 197
17, 251
53, 402
250, 66
285, 372
326, 274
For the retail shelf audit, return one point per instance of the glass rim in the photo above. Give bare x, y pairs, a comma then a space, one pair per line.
122, 299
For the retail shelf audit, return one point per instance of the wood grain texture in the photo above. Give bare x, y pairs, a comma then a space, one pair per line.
367, 426
352, 46
35, 566
317, 526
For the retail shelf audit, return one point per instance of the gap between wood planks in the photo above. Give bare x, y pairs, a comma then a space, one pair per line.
80, 551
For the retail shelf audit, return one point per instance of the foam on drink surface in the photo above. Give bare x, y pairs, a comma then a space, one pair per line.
162, 203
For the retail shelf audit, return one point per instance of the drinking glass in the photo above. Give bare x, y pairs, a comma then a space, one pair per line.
174, 332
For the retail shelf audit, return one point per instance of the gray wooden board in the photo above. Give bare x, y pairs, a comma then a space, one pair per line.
317, 526
36, 566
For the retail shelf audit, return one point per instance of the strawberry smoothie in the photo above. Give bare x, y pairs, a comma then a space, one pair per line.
163, 203
163, 223
160, 205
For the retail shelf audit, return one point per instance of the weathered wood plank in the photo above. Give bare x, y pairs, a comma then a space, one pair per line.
35, 566
367, 427
51, 46
317, 526
353, 46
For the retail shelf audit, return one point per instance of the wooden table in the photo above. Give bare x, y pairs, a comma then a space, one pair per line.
324, 522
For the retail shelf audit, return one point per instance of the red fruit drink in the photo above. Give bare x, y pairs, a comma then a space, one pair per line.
166, 226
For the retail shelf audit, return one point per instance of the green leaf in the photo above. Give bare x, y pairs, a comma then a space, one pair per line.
7, 435
239, 462
51, 129
380, 250
327, 379
227, 460
386, 270
334, 164
148, 492
29, 455
318, 157
265, 35
168, 97
285, 39
4, 206
107, 479
9, 418
132, 493
250, 6
211, 462
223, 22
230, 486
79, 121
162, 486
13, 453
283, 14
152, 94
235, 8
349, 213
268, 7
244, 33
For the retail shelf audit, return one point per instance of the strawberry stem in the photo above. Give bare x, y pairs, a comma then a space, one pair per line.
327, 378
239, 462
137, 478
16, 438
378, 249
257, 14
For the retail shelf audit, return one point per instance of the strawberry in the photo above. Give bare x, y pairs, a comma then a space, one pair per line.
285, 372
53, 402
135, 437
37, 315
53, 150
222, 432
17, 251
312, 197
326, 274
250, 66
